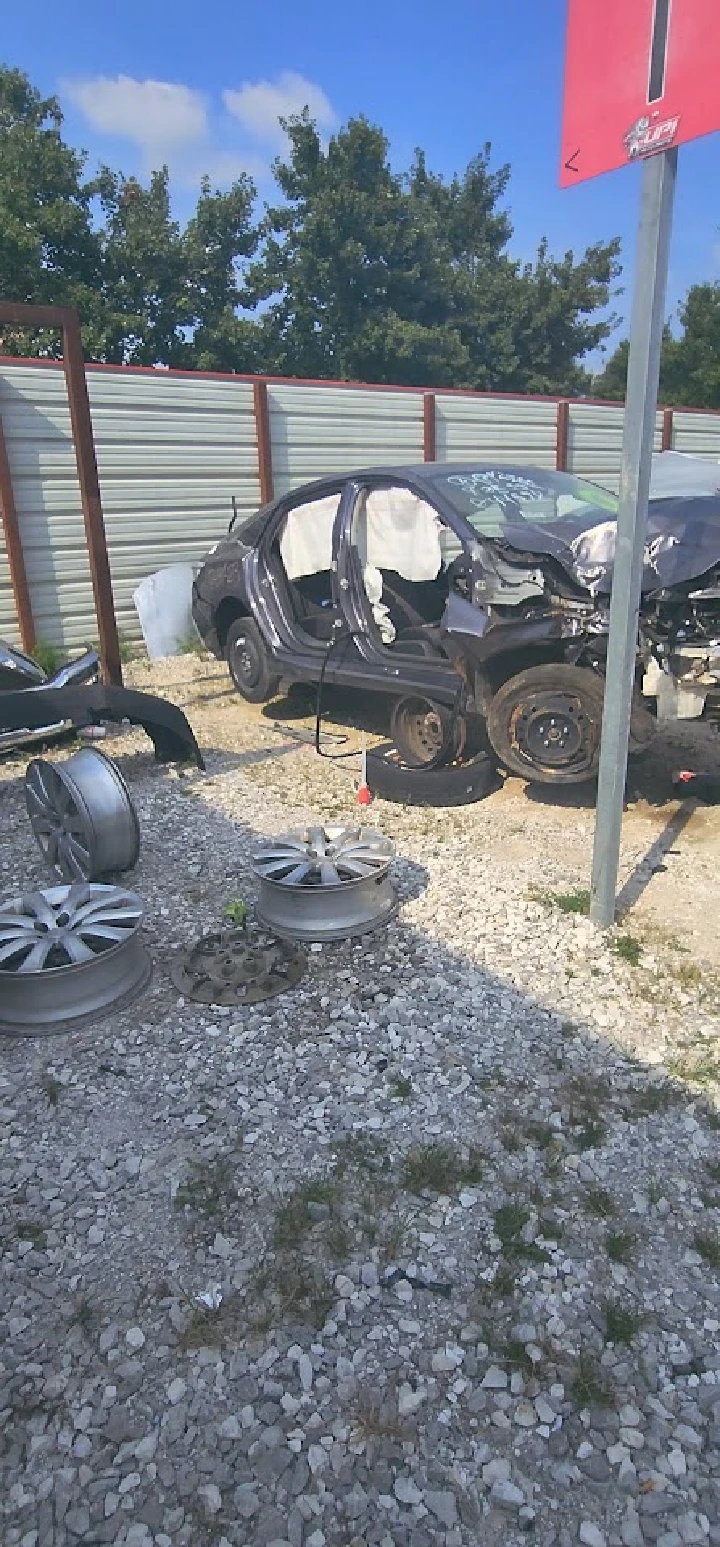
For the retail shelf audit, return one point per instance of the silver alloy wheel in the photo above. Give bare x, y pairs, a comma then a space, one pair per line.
82, 815
69, 955
325, 883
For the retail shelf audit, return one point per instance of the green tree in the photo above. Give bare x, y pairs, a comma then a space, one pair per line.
373, 276
217, 241
349, 268
49, 252
690, 363
145, 293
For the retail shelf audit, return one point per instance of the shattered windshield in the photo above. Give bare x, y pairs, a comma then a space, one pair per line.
493, 498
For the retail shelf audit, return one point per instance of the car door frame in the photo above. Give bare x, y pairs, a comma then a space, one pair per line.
266, 586
384, 666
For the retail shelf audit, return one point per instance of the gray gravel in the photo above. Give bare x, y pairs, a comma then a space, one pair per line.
423, 1252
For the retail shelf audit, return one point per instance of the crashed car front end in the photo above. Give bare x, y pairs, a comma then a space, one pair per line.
547, 587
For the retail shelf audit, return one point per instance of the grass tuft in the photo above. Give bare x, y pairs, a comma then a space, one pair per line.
629, 949
708, 1247
619, 1245
622, 1323
599, 1202
440, 1168
591, 1386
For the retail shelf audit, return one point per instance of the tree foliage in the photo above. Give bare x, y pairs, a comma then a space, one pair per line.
354, 271
690, 363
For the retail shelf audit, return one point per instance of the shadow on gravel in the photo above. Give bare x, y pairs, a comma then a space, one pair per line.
500, 1185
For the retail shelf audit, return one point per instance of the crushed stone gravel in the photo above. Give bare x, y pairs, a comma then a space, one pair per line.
425, 1251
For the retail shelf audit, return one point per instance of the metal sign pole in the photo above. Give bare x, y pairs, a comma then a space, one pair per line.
646, 332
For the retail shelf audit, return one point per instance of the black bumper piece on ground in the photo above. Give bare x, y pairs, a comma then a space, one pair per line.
94, 703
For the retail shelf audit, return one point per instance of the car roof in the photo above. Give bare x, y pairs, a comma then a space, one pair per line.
418, 472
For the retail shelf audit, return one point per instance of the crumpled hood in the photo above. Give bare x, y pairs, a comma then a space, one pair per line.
683, 543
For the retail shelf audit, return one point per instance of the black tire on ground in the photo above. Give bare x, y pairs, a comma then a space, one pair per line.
419, 728
456, 786
250, 663
545, 723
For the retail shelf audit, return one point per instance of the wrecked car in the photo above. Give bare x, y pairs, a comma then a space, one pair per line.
37, 708
477, 597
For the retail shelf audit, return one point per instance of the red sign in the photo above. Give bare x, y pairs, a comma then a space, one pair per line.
640, 76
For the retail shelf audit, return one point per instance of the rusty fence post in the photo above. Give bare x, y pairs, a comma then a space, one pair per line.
264, 441
16, 557
74, 365
23, 314
562, 432
666, 434
429, 427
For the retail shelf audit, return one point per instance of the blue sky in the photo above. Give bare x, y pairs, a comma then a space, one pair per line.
143, 82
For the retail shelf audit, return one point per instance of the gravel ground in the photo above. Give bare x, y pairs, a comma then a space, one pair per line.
454, 1200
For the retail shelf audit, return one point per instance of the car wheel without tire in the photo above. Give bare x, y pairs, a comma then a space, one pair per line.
420, 728
545, 723
250, 663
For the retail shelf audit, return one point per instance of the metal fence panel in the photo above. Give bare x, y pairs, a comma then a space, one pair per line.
171, 453
317, 430
698, 434
173, 449
477, 429
595, 435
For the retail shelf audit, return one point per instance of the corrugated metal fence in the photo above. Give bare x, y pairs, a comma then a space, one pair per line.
172, 450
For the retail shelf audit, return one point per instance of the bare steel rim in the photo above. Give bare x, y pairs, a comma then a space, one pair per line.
82, 815
69, 955
326, 883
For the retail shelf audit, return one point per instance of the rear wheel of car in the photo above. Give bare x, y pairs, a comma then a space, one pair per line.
250, 663
545, 723
420, 730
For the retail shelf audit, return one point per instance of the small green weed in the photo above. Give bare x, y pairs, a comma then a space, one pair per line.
30, 1230
191, 645
622, 1323
504, 1283
708, 1247
592, 1134
600, 1202
541, 1134
590, 1386
568, 902
84, 1314
52, 1089
629, 949
209, 1189
439, 1168
236, 913
699, 1064
401, 1088
48, 657
517, 1356
293, 1220
619, 1245
509, 1222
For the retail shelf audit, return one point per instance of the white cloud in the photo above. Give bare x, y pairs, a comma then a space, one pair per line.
169, 122
258, 105
157, 116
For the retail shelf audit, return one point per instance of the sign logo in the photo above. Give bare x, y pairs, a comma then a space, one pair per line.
648, 136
